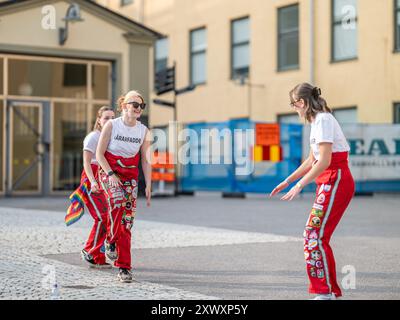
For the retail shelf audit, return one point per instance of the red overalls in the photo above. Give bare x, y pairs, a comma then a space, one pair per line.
96, 204
335, 189
122, 204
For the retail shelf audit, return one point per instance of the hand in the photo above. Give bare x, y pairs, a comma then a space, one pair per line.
283, 185
94, 187
114, 181
148, 196
292, 193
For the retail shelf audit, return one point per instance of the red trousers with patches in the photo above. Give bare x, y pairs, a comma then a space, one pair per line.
96, 204
335, 189
122, 204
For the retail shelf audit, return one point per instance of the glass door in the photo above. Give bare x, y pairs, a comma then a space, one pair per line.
25, 148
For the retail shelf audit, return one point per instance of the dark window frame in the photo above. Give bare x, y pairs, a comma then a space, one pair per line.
194, 53
234, 74
125, 2
281, 68
396, 112
333, 24
396, 7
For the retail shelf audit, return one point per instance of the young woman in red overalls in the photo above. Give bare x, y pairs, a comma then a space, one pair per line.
327, 165
123, 142
89, 195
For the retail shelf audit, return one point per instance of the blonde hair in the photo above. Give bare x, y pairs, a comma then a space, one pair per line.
100, 112
121, 100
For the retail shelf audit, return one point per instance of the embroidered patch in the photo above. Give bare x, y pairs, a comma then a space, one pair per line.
321, 198
317, 213
316, 255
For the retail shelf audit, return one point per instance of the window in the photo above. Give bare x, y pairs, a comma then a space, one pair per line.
126, 2
344, 30
288, 37
345, 115
396, 113
161, 54
198, 49
74, 75
397, 25
240, 54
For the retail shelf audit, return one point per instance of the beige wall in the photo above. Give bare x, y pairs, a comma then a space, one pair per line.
372, 82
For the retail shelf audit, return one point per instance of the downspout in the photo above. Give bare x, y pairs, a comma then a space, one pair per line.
312, 42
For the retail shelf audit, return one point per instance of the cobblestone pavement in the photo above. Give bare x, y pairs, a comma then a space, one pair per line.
29, 235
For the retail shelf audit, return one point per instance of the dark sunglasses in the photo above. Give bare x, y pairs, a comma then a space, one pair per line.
137, 105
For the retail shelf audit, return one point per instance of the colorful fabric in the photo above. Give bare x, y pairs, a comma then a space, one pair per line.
77, 207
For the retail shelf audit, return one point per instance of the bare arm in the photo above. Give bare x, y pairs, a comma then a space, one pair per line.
104, 140
325, 156
146, 164
146, 158
325, 152
298, 173
303, 168
87, 159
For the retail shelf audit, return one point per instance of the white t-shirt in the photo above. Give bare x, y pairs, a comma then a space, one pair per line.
126, 141
90, 144
325, 128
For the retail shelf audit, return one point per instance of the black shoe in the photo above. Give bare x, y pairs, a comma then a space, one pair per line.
88, 259
125, 275
111, 251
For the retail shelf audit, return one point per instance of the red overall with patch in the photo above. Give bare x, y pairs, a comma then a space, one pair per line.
122, 204
335, 189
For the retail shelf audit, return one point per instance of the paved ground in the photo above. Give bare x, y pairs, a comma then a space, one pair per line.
201, 247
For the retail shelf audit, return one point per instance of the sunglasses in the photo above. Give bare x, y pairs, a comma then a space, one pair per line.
137, 104
292, 104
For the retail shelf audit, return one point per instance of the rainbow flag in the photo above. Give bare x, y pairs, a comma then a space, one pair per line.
76, 209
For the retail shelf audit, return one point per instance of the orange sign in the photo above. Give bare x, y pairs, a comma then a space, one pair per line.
267, 134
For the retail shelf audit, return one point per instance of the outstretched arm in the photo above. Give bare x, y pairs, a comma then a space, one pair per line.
298, 173
325, 156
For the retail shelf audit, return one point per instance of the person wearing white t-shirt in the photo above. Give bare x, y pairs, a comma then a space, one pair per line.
90, 194
123, 142
327, 165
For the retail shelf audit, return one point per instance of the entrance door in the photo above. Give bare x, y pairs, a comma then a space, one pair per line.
25, 148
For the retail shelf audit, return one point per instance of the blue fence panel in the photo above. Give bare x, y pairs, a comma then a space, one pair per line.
224, 177
202, 175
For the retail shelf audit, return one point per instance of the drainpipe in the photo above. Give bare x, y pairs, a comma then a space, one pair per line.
312, 41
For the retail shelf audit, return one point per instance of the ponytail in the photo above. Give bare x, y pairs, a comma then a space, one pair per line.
312, 98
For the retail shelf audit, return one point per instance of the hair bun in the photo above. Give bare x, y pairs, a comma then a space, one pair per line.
316, 92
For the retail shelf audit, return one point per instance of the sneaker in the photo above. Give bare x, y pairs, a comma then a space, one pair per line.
111, 251
88, 259
325, 297
125, 275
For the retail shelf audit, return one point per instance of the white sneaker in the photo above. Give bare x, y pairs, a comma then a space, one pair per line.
329, 296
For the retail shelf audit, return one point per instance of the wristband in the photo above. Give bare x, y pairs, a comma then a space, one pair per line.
299, 185
287, 181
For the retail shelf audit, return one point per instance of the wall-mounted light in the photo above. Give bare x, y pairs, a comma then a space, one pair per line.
73, 15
